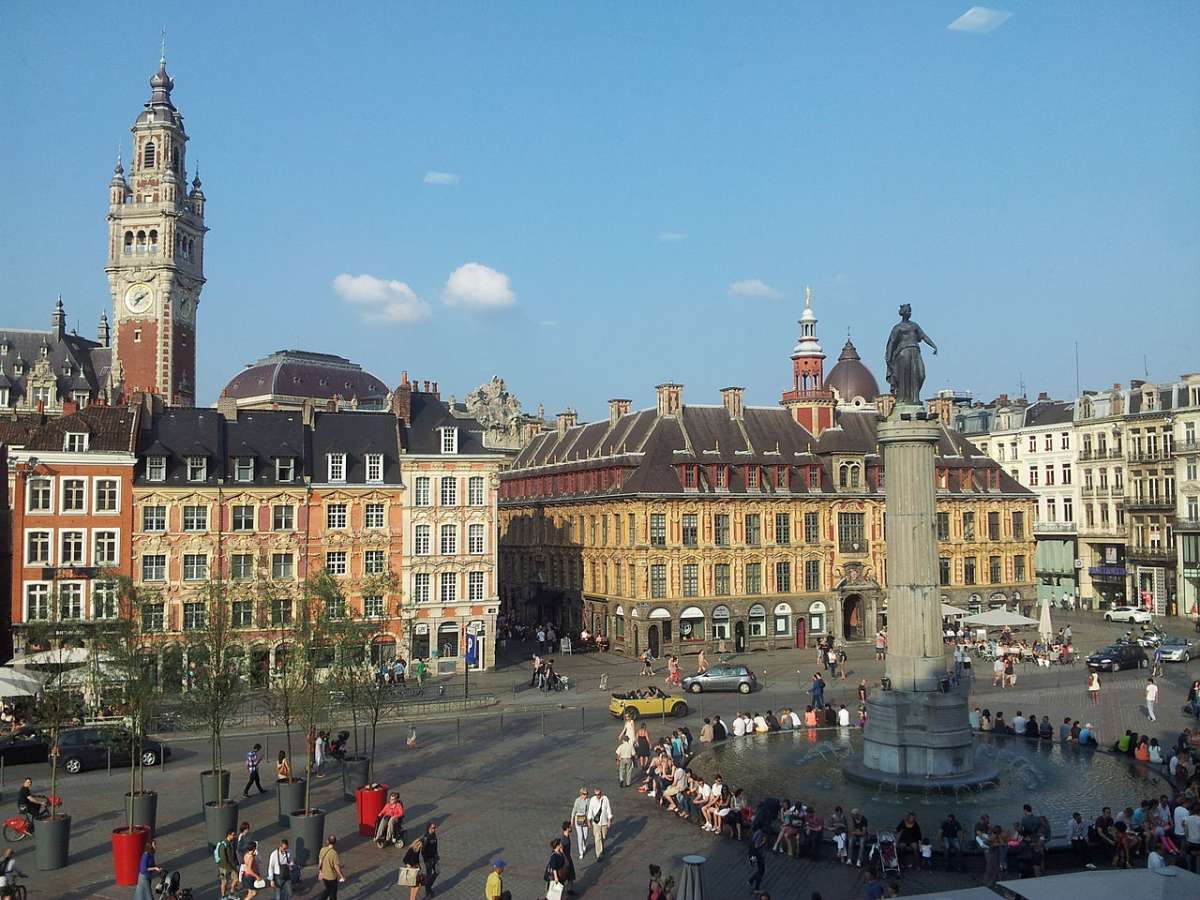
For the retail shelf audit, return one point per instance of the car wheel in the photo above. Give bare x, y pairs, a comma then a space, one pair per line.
1186, 658
694, 687
679, 710
1108, 617
149, 758
74, 765
743, 688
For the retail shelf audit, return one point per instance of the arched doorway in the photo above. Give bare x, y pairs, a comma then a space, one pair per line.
260, 664
801, 631
739, 637
852, 618
652, 640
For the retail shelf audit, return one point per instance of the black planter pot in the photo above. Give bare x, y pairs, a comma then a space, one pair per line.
308, 834
210, 792
53, 838
354, 774
142, 808
290, 796
220, 819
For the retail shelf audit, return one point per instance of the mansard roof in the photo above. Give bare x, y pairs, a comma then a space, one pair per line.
109, 430
76, 363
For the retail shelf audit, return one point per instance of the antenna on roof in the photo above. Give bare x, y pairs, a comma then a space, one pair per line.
1145, 366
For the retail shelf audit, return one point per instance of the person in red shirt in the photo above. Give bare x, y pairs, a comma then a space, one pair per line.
389, 827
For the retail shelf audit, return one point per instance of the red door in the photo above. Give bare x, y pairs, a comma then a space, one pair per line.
801, 629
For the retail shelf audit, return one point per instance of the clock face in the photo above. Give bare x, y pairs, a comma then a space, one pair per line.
139, 297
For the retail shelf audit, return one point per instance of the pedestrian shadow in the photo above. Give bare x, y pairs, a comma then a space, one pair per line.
618, 842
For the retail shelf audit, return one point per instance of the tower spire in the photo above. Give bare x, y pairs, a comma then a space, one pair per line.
162, 52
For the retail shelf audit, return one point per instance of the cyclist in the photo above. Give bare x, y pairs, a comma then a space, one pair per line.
9, 873
29, 803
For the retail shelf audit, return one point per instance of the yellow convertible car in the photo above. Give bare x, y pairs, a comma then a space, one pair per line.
648, 702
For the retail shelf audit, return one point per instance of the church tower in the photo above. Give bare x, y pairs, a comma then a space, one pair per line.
155, 261
811, 403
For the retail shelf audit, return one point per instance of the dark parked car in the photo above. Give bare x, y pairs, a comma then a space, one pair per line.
722, 678
24, 746
88, 748
1125, 655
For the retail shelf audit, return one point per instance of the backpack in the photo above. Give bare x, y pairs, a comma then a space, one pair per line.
217, 854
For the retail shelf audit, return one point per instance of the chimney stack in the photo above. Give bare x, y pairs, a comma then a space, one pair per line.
564, 420
670, 398
616, 409
1043, 395
227, 407
401, 401
731, 399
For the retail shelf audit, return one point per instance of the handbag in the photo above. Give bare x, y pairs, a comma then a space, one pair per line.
259, 884
409, 876
554, 891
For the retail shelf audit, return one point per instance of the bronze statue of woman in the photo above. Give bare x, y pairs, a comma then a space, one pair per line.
905, 370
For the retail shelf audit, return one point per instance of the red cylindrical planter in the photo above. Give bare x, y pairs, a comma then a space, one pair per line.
127, 847
370, 801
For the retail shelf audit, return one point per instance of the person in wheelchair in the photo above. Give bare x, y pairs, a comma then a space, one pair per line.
29, 803
389, 827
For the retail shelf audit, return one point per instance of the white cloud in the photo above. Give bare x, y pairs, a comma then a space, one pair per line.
476, 286
671, 237
753, 287
441, 178
980, 20
380, 300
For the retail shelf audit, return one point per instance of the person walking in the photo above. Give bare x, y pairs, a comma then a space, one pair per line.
251, 880
411, 865
279, 871
625, 755
1151, 698
430, 857
569, 878
148, 870
816, 691
493, 888
579, 814
600, 818
556, 871
757, 859
1093, 688
701, 663
225, 854
253, 760
329, 869
647, 663
283, 767
319, 747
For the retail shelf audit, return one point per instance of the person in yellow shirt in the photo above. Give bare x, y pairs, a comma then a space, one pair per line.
493, 889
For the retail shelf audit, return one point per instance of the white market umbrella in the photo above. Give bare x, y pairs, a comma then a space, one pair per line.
1045, 626
65, 656
998, 618
87, 675
18, 684
952, 612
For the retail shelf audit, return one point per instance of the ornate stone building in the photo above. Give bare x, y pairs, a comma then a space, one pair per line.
681, 526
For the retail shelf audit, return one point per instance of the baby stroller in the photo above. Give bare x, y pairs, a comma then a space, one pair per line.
168, 888
885, 850
337, 747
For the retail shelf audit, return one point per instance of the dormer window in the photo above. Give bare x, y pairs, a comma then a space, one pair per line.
81, 398
4, 399
156, 468
285, 469
243, 469
449, 439
67, 370
781, 478
689, 477
197, 468
721, 477
374, 467
752, 477
337, 466
75, 442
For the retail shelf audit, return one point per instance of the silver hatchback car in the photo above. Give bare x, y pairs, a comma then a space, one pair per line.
722, 678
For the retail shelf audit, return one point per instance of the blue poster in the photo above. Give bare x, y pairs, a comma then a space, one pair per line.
472, 652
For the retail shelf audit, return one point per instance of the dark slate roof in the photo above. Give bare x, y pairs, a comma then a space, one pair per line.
300, 373
178, 434
851, 377
356, 434
264, 436
1165, 398
109, 429
429, 414
88, 363
1049, 412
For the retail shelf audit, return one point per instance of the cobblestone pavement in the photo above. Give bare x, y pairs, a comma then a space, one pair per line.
502, 781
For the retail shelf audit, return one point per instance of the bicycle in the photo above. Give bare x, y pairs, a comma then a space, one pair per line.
17, 828
13, 889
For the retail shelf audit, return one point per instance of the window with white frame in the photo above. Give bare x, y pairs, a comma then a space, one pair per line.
197, 468
337, 466
154, 567
4, 397
474, 585
373, 515
421, 540
281, 611
335, 562
39, 495
243, 469
193, 616
449, 491
70, 600
449, 587
449, 439
74, 495
283, 517
335, 515
285, 469
37, 602
107, 495
75, 441
373, 562
104, 599
281, 565
449, 540
374, 467
195, 518
421, 587
373, 607
37, 548
153, 618
421, 495
154, 518
475, 541
241, 566
71, 548
195, 566
156, 468
475, 490
243, 517
104, 548
243, 613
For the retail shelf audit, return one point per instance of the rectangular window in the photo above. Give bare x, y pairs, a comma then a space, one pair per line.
194, 618
243, 469
754, 578
241, 566
37, 548
421, 493
1019, 567
722, 477
691, 579
373, 562
1068, 510
994, 569
154, 518
1018, 526
1048, 442
335, 562
104, 548
1033, 443
1051, 510
1033, 476
243, 613
1065, 441
195, 518
448, 544
336, 466
783, 577
153, 618
449, 440
70, 600
1049, 475
283, 517
104, 600
281, 611
475, 492
690, 529
107, 496
943, 526
658, 529
154, 567
373, 515
783, 528
449, 491
812, 575
475, 538
336, 516
75, 442
632, 530
39, 495
74, 495
448, 586
993, 520
375, 467
968, 523
71, 549
373, 606
421, 540
1066, 473
37, 602
421, 587
195, 566
474, 585
812, 528
281, 566
243, 517
156, 468
721, 530
851, 529
658, 580
753, 530
285, 469
721, 579
943, 571
969, 570
197, 468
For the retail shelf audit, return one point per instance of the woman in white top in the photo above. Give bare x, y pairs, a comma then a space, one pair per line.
1093, 688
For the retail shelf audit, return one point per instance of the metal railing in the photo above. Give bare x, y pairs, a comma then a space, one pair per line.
1159, 501
1150, 552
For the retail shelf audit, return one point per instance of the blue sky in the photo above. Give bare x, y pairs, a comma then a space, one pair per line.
643, 189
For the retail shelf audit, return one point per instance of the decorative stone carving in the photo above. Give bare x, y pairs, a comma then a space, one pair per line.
493, 406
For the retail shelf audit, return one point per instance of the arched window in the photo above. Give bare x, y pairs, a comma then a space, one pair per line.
848, 475
148, 155
447, 638
854, 476
816, 617
129, 242
720, 623
175, 158
141, 242
153, 241
783, 619
758, 621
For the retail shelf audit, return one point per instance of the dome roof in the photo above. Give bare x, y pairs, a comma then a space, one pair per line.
290, 375
850, 378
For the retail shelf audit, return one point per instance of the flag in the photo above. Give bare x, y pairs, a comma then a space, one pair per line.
472, 651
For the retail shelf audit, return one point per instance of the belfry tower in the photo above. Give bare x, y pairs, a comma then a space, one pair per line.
811, 403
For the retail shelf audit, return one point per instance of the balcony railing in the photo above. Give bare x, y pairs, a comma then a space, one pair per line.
1101, 490
1144, 456
1162, 553
1102, 453
1054, 528
1183, 524
1159, 501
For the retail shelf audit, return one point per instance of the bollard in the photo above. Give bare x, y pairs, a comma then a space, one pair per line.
1, 771
501, 725
109, 753
581, 713
691, 886
458, 732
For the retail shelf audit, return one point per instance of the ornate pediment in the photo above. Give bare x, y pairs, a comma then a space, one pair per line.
855, 576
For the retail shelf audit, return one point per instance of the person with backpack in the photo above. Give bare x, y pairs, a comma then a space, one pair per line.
253, 758
225, 856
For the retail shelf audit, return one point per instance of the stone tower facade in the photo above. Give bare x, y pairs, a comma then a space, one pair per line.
155, 261
811, 403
